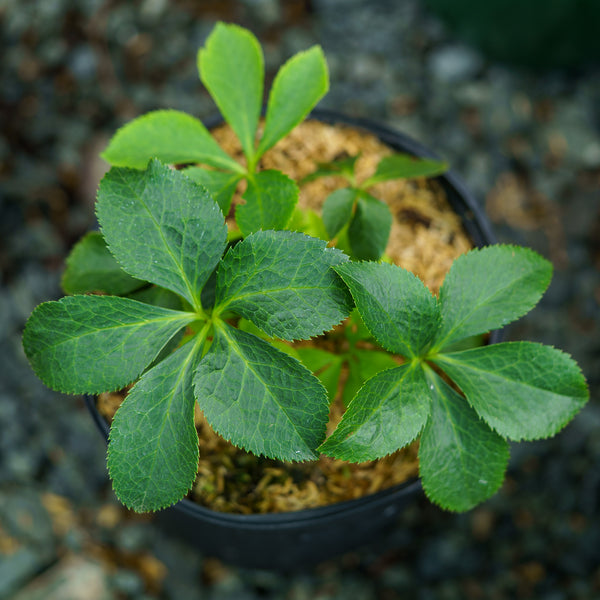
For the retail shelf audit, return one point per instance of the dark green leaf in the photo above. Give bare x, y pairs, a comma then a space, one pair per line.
153, 448
92, 344
220, 184
394, 304
324, 365
92, 268
362, 365
404, 166
488, 288
260, 398
171, 136
370, 227
231, 67
300, 83
283, 283
157, 296
162, 227
270, 200
461, 460
522, 389
388, 413
337, 210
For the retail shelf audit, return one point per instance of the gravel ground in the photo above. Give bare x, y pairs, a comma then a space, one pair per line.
528, 145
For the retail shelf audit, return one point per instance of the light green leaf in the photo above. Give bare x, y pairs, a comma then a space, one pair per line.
388, 413
404, 166
394, 304
283, 283
171, 136
362, 365
523, 390
92, 344
370, 227
488, 288
461, 460
153, 445
231, 66
324, 365
307, 222
162, 227
300, 83
92, 268
337, 210
270, 200
259, 398
220, 184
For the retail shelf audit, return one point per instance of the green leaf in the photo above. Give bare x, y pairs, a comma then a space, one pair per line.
343, 167
162, 227
523, 390
461, 460
300, 83
231, 66
324, 365
270, 200
171, 136
337, 210
394, 304
388, 413
157, 296
404, 166
370, 227
260, 398
93, 344
362, 365
308, 222
153, 445
92, 268
283, 283
488, 288
220, 184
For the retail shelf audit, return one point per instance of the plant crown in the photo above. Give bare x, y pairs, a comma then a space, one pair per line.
189, 314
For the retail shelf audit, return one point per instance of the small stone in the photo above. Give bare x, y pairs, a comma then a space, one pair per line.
452, 64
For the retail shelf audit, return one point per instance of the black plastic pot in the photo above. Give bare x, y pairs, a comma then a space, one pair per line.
296, 540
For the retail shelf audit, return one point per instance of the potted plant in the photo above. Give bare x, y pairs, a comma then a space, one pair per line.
195, 311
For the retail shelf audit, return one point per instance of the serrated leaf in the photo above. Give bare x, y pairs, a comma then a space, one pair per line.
394, 304
300, 83
162, 227
362, 365
369, 228
388, 413
324, 365
153, 445
92, 344
92, 268
488, 288
404, 166
231, 66
171, 136
461, 460
523, 390
270, 200
260, 398
337, 210
282, 281
221, 185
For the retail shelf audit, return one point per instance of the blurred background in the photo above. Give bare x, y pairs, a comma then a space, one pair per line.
508, 92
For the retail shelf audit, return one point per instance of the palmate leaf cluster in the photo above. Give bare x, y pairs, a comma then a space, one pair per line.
187, 315
357, 220
231, 66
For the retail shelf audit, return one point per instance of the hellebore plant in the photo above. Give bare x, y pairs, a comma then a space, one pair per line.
188, 313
